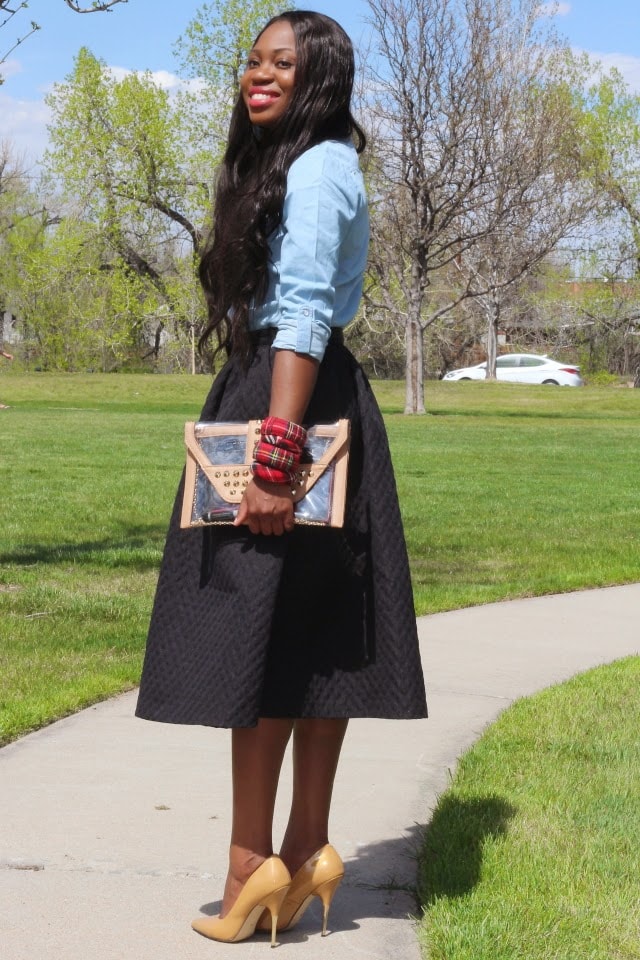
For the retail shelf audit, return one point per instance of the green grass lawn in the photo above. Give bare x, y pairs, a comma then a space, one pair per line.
509, 491
534, 851
506, 491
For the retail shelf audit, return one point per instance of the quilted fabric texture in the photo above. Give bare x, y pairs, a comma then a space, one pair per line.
316, 623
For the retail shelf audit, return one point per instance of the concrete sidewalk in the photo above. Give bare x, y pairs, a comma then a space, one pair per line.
113, 831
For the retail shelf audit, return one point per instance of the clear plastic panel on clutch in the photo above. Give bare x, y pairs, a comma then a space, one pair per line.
208, 504
316, 506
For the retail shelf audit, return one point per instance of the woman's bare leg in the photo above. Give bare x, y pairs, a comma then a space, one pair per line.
257, 754
316, 751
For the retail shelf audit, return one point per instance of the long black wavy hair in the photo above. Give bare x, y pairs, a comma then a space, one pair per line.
252, 179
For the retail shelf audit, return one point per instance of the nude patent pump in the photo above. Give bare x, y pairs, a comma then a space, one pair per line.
319, 876
265, 889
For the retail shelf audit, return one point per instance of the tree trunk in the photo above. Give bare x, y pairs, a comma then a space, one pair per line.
414, 372
492, 341
414, 395
636, 379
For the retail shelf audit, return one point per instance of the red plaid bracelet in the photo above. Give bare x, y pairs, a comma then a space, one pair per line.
278, 452
270, 455
275, 428
270, 474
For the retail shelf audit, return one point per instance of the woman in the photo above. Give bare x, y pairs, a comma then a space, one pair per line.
272, 630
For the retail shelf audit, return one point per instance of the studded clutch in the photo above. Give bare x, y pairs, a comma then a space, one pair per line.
219, 457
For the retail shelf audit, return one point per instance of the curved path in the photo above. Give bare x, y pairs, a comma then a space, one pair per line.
113, 831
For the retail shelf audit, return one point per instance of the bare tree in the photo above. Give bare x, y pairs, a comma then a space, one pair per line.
443, 83
537, 196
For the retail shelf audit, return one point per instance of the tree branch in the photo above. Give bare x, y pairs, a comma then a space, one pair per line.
98, 6
34, 27
4, 5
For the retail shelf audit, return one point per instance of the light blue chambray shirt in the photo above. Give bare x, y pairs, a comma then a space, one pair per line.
319, 251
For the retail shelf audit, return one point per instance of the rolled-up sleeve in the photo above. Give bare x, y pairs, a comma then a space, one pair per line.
317, 211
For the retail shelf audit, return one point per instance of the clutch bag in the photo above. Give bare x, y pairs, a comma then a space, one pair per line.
219, 458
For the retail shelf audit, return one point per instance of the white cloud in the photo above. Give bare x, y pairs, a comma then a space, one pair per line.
119, 73
24, 124
166, 80
9, 68
554, 9
626, 64
162, 78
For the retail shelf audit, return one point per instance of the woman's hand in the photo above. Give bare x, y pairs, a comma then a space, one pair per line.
266, 508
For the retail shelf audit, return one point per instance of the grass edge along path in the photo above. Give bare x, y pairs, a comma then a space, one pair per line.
534, 850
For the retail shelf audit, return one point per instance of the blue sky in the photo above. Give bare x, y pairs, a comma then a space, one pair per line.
140, 35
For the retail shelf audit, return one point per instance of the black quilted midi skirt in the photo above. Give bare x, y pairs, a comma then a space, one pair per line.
315, 623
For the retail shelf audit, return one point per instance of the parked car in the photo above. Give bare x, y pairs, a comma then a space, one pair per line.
524, 368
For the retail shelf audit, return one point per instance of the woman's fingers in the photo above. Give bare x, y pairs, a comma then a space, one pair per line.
266, 508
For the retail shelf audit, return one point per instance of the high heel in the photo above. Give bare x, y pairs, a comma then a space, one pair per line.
319, 876
326, 892
265, 890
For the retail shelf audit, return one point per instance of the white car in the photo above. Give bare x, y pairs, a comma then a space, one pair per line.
524, 368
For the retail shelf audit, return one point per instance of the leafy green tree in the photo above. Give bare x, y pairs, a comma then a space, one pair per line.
54, 294
22, 212
118, 148
138, 163
611, 160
